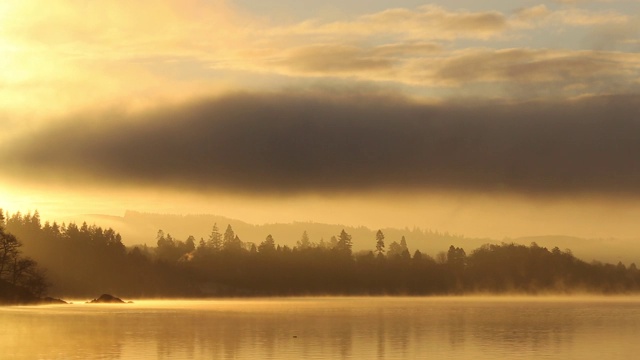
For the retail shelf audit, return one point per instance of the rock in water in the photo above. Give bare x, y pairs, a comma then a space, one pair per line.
106, 299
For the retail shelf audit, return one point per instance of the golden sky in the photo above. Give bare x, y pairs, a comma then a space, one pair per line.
488, 118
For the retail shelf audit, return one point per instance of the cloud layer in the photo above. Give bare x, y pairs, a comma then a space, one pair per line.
74, 55
320, 143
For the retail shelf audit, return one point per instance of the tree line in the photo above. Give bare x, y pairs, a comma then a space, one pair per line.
87, 259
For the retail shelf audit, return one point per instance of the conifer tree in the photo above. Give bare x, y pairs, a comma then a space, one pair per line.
380, 243
215, 239
344, 243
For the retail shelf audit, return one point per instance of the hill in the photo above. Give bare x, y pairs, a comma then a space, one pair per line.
141, 228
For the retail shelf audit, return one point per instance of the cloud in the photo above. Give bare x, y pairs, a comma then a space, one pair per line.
75, 54
332, 143
435, 23
119, 29
375, 62
429, 22
536, 72
335, 59
617, 37
527, 66
579, 17
430, 59
525, 16
541, 16
576, 2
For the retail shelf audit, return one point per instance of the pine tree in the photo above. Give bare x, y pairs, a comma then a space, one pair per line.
304, 242
229, 236
380, 242
215, 239
268, 245
405, 254
344, 243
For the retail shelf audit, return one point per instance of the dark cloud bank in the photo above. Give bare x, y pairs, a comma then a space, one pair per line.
282, 143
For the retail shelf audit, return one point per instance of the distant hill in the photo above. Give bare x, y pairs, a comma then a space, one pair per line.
139, 228
609, 250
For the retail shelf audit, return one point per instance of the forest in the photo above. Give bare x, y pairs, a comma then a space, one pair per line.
80, 261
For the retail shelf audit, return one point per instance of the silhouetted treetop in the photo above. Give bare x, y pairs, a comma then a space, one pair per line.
87, 259
267, 246
344, 243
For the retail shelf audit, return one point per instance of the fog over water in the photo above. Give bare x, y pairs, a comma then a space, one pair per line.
328, 328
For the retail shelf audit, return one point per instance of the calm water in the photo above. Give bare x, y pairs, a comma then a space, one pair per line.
327, 328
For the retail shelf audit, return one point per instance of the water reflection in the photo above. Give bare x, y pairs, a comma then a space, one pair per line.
323, 328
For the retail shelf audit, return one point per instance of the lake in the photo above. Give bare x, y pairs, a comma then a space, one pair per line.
327, 328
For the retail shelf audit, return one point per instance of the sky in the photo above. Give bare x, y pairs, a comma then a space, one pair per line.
482, 118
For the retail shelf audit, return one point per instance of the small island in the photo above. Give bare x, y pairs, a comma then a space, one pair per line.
106, 299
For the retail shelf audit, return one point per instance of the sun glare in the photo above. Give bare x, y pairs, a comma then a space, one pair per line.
13, 200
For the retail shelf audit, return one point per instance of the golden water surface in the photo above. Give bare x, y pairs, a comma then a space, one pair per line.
327, 328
